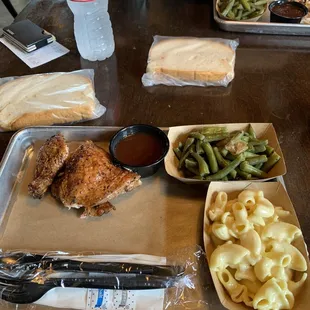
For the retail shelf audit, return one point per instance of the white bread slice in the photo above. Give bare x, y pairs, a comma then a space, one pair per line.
46, 99
192, 59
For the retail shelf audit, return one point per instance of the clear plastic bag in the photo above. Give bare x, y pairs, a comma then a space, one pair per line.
184, 61
48, 99
82, 281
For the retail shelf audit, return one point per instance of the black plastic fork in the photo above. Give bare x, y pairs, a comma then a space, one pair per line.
25, 267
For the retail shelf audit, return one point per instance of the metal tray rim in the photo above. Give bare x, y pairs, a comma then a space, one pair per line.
20, 133
257, 26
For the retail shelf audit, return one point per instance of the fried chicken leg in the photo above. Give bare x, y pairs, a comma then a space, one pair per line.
51, 158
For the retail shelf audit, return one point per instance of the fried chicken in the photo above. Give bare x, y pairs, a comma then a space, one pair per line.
51, 158
89, 180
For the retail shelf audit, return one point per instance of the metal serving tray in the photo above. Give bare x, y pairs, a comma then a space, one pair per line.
163, 217
262, 26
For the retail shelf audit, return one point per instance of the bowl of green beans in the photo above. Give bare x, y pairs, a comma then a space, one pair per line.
226, 152
241, 10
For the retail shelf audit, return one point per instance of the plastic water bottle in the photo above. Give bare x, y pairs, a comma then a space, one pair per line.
92, 28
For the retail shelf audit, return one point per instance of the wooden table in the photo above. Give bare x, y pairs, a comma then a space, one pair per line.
272, 81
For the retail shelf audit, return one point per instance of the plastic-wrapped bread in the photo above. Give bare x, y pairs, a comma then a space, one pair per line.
190, 61
47, 99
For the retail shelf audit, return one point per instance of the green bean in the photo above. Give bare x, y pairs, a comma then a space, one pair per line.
191, 148
197, 135
237, 3
223, 142
249, 154
225, 171
188, 143
237, 136
239, 14
177, 153
224, 179
180, 146
246, 14
257, 159
191, 163
193, 170
272, 160
210, 156
230, 15
199, 149
243, 175
230, 156
213, 130
203, 166
224, 152
259, 166
252, 170
234, 10
245, 138
256, 142
223, 162
245, 4
246, 155
260, 10
259, 149
250, 148
216, 137
269, 150
258, 7
260, 2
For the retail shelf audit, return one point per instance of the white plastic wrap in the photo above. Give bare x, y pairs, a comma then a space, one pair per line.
102, 281
184, 61
47, 99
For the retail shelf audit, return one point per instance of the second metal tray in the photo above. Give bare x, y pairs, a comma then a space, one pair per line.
262, 26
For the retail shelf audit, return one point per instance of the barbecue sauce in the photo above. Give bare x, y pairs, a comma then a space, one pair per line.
140, 149
288, 10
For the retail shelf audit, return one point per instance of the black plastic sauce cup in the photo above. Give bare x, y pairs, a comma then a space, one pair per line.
143, 171
276, 18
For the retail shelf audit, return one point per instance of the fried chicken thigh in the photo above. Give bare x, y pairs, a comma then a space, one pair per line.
90, 180
51, 158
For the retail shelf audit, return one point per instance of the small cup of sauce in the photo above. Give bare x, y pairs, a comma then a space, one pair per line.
139, 148
283, 11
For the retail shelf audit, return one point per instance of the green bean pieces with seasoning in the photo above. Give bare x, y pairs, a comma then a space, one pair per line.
241, 9
214, 154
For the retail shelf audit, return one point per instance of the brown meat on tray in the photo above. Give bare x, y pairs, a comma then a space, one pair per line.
51, 158
89, 180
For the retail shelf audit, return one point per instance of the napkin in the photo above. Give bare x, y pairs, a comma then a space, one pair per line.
40, 56
95, 299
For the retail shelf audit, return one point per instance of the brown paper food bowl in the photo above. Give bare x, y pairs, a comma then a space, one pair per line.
275, 192
254, 19
262, 130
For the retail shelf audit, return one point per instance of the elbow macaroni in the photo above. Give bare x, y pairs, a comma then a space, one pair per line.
254, 259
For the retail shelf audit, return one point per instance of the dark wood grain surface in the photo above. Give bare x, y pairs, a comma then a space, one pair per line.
272, 78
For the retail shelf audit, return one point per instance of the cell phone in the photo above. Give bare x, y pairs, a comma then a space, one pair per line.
27, 36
